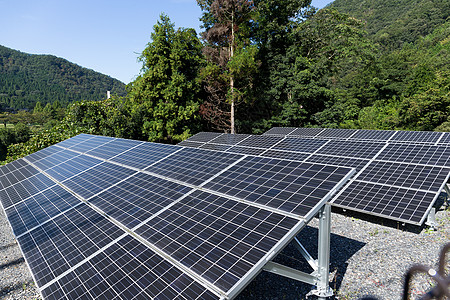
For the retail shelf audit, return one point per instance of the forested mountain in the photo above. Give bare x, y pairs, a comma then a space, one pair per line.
392, 23
26, 79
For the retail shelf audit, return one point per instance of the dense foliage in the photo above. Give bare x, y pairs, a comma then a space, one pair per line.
270, 63
26, 79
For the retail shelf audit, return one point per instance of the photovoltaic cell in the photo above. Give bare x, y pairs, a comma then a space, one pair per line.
75, 140
299, 145
397, 203
336, 133
416, 136
67, 240
417, 154
376, 135
218, 238
306, 132
285, 185
134, 200
285, 155
280, 130
43, 153
358, 164
405, 175
113, 148
191, 144
94, 142
260, 141
204, 137
351, 149
72, 167
97, 179
193, 166
215, 147
144, 155
55, 159
229, 139
246, 150
39, 208
445, 138
127, 270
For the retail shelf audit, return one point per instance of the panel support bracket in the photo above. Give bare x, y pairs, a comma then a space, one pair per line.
320, 277
447, 191
431, 219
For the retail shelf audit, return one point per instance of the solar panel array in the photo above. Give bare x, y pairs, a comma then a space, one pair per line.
399, 174
107, 218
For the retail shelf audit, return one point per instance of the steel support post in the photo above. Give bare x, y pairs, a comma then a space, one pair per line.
323, 290
447, 190
431, 219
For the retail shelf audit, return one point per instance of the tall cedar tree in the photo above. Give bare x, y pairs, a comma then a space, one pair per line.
230, 59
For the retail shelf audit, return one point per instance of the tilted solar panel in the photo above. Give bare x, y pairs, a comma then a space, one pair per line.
112, 219
384, 159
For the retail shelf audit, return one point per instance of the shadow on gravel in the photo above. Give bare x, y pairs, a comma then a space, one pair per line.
8, 289
267, 286
8, 246
12, 263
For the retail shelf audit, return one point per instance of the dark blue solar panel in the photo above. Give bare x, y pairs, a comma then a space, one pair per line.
354, 149
306, 132
417, 154
246, 150
144, 155
134, 200
416, 136
204, 137
299, 145
190, 144
113, 148
336, 133
445, 138
72, 167
92, 143
97, 179
260, 141
280, 130
285, 155
39, 208
43, 153
217, 238
229, 139
215, 147
193, 166
75, 140
374, 135
288, 186
55, 159
356, 163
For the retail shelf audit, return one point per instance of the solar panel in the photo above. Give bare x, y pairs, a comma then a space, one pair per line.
445, 139
377, 157
118, 219
280, 130
204, 137
245, 150
229, 139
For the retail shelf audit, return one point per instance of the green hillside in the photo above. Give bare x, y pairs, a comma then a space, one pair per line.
392, 23
26, 79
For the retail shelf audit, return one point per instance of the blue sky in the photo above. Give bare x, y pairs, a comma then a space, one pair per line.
106, 36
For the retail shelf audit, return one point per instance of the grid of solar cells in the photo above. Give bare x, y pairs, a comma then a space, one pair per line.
193, 166
215, 147
113, 148
336, 133
356, 163
285, 185
96, 179
14, 174
43, 153
351, 149
306, 132
260, 141
188, 143
94, 142
144, 155
285, 155
72, 167
405, 175
229, 139
299, 145
55, 159
397, 203
75, 140
24, 189
445, 138
204, 137
136, 199
246, 150
39, 208
127, 270
417, 154
79, 233
280, 130
416, 136
377, 135
218, 238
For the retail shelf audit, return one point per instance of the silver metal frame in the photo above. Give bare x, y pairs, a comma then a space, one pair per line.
320, 276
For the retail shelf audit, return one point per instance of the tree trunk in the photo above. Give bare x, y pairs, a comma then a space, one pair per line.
232, 78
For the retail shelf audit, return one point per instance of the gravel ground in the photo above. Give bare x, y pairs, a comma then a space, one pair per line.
369, 256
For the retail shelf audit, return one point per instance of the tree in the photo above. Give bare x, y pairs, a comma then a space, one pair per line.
168, 87
231, 58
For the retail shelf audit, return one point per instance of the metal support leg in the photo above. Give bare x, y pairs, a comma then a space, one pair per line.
431, 219
447, 190
323, 290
